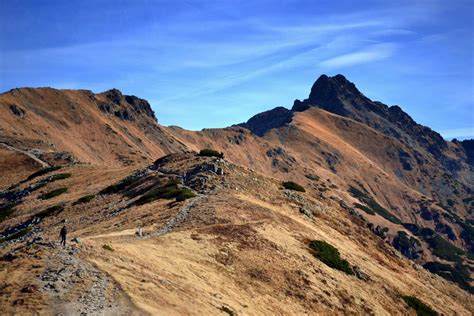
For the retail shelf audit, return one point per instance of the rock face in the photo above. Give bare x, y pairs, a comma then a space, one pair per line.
17, 111
340, 96
125, 107
261, 123
468, 146
410, 247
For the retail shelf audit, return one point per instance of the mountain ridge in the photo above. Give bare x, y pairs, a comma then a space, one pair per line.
369, 179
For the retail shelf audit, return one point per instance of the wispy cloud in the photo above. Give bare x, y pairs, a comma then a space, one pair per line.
369, 54
190, 53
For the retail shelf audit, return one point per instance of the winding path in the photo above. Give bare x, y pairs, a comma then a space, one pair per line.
177, 219
43, 163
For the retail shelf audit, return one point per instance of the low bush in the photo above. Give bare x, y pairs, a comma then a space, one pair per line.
108, 247
16, 235
330, 256
85, 199
364, 208
114, 188
184, 195
42, 172
374, 207
54, 193
6, 210
458, 273
60, 176
53, 210
211, 153
421, 308
444, 249
227, 310
170, 190
439, 246
290, 185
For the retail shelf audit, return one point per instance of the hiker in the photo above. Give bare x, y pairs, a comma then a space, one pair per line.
63, 234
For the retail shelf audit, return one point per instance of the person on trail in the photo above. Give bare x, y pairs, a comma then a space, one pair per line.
63, 234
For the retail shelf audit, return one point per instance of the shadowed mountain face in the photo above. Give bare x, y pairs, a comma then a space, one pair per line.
378, 186
262, 122
80, 126
339, 96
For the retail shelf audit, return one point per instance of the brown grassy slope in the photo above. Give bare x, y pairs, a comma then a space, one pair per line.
71, 121
340, 151
243, 246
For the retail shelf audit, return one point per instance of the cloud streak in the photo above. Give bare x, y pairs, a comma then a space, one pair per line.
366, 55
201, 54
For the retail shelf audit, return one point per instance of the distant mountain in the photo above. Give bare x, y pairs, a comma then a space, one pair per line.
105, 128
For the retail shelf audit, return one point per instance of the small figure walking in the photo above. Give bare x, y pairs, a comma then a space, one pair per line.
63, 234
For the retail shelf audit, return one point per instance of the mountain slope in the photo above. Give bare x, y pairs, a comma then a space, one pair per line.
240, 245
379, 187
64, 126
399, 175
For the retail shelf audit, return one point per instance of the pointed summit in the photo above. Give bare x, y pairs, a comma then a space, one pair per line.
326, 87
340, 96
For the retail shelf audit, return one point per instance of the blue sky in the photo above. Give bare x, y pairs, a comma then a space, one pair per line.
216, 63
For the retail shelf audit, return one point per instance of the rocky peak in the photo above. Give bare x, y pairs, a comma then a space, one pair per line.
125, 107
259, 124
114, 95
326, 87
339, 96
140, 105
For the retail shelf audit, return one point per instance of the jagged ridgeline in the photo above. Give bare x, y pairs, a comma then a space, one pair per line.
337, 204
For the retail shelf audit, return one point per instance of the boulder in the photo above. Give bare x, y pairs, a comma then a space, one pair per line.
306, 211
360, 274
17, 111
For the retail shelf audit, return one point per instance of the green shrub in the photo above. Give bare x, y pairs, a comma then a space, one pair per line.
6, 210
114, 188
290, 185
169, 191
16, 235
330, 256
439, 246
184, 195
54, 193
374, 207
211, 153
458, 273
421, 308
366, 209
53, 210
85, 199
227, 310
39, 185
108, 247
444, 249
42, 172
60, 176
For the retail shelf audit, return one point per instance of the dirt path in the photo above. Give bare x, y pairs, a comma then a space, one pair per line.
43, 164
78, 288
178, 218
